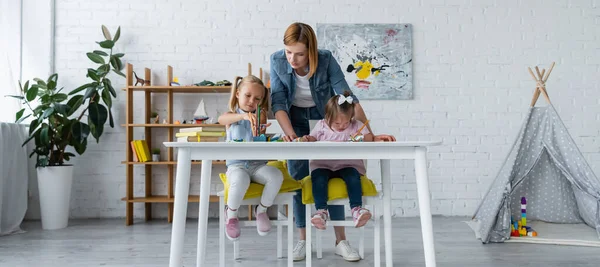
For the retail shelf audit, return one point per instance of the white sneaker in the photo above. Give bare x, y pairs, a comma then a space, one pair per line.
300, 250
346, 251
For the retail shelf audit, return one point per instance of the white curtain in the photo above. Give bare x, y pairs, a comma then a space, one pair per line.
10, 58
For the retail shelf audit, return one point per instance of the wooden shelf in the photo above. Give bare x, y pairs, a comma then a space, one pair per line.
221, 162
165, 199
180, 89
169, 165
160, 125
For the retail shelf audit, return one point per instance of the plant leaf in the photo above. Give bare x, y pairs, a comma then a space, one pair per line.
93, 74
80, 147
74, 103
19, 114
95, 58
32, 126
32, 93
24, 89
100, 53
106, 33
80, 88
89, 93
118, 55
117, 34
104, 68
41, 83
97, 118
119, 73
59, 97
80, 131
23, 118
106, 97
61, 108
108, 44
98, 113
44, 139
110, 119
15, 96
48, 112
108, 85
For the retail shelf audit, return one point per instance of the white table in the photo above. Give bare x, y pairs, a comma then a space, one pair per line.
383, 151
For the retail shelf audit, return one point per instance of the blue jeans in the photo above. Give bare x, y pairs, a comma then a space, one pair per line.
320, 179
299, 168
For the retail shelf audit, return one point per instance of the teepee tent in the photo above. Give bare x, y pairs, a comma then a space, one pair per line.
545, 166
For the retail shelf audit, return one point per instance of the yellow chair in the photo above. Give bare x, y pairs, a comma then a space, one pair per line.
252, 197
372, 200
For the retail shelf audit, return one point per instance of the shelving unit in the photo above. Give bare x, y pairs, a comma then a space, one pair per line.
170, 162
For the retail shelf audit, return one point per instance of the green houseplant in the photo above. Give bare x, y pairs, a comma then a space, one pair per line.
61, 121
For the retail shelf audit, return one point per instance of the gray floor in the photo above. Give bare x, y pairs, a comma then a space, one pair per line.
110, 243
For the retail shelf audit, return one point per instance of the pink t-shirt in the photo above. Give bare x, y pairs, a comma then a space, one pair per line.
322, 132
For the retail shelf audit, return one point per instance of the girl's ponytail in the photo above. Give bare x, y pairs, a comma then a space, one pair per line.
233, 102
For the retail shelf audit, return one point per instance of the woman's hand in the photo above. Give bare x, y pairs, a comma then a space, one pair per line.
308, 138
289, 138
384, 138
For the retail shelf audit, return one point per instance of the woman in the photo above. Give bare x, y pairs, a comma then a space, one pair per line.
303, 79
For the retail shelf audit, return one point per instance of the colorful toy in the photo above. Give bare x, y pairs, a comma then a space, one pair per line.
175, 81
523, 211
519, 227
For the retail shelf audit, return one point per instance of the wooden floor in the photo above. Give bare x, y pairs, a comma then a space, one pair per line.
110, 243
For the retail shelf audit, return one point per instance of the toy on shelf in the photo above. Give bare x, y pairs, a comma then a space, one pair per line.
200, 113
175, 81
205, 83
223, 83
140, 80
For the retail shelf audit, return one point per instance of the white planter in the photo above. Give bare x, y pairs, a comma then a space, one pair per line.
156, 157
54, 185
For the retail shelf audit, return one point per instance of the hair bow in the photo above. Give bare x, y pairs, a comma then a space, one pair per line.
343, 99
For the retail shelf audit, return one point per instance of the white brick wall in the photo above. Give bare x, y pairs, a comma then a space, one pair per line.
471, 85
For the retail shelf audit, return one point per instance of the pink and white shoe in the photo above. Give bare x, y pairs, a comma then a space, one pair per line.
360, 216
232, 227
319, 219
263, 224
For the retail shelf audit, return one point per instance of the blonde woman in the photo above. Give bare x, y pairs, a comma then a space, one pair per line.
303, 79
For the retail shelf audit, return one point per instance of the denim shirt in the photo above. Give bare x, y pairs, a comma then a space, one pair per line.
327, 81
241, 130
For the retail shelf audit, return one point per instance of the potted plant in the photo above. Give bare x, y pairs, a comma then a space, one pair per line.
61, 123
156, 154
154, 117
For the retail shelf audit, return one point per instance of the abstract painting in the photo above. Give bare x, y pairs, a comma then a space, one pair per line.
375, 58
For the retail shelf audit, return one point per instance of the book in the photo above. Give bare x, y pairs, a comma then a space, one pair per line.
203, 129
139, 150
146, 150
199, 139
134, 152
216, 134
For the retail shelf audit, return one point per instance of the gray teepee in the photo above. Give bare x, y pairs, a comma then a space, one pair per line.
546, 166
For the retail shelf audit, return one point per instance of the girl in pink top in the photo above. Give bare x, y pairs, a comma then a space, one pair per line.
339, 124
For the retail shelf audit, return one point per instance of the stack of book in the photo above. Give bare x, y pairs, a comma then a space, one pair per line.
141, 152
211, 133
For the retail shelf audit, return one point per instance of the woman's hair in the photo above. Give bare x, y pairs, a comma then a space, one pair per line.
238, 82
333, 109
302, 33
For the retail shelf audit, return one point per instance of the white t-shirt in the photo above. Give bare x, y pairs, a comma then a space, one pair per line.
303, 97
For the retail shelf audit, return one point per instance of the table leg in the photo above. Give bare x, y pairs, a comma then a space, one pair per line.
424, 205
182, 189
386, 184
203, 212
